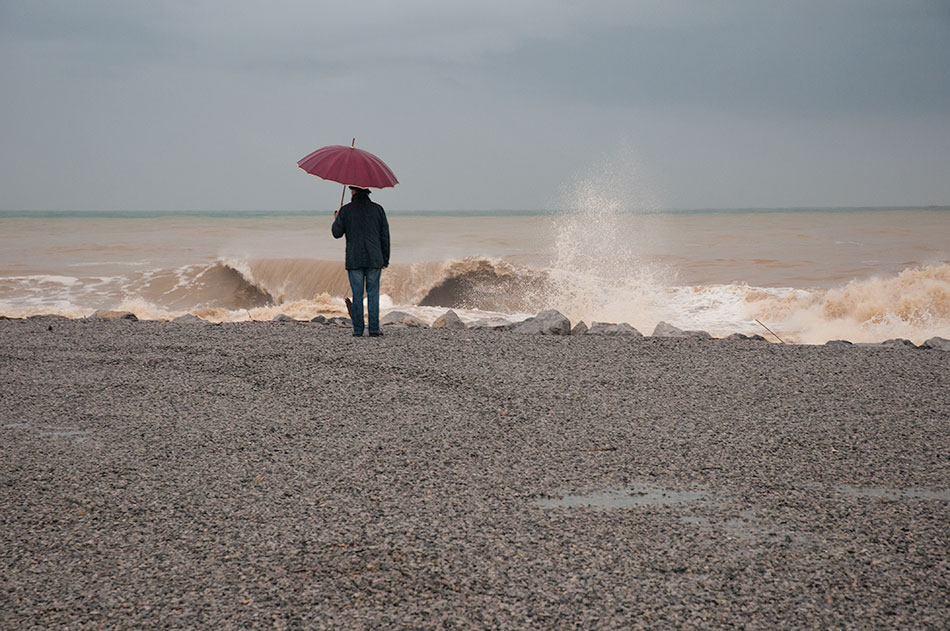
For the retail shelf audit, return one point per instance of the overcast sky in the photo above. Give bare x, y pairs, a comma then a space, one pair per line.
494, 104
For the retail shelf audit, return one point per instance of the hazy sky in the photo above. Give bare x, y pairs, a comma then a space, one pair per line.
128, 104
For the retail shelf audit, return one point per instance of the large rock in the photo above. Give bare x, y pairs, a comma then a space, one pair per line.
401, 318
898, 343
608, 328
495, 323
892, 343
103, 314
747, 338
190, 318
579, 329
282, 317
937, 343
318, 319
838, 343
549, 322
448, 320
664, 329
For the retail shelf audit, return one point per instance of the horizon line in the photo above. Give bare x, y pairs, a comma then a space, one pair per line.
709, 209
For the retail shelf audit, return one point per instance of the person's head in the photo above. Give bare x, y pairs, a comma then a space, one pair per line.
356, 191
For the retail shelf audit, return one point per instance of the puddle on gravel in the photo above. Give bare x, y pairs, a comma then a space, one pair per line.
705, 509
745, 527
624, 498
894, 494
76, 434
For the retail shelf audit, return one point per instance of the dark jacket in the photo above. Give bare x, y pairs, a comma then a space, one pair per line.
367, 233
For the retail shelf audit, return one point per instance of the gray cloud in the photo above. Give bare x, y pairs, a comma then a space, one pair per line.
777, 59
480, 105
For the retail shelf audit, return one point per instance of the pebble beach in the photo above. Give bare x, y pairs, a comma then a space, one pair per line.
285, 475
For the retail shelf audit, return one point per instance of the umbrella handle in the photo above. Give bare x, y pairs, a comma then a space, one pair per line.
343, 194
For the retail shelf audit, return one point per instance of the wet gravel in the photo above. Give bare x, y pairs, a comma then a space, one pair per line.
288, 476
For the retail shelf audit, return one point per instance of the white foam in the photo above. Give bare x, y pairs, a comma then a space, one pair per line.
914, 305
66, 281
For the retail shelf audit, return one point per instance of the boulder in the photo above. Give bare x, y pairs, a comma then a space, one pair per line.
898, 343
607, 328
838, 343
549, 322
495, 323
579, 329
448, 320
744, 337
189, 318
339, 321
937, 343
282, 317
103, 314
401, 318
664, 329
892, 343
319, 319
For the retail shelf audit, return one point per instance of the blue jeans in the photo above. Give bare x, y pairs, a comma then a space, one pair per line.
370, 276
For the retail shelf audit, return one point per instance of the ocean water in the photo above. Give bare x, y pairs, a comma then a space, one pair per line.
810, 275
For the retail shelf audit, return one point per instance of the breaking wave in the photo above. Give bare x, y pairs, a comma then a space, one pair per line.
913, 304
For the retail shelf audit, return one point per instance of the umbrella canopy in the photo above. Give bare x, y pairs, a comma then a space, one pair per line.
348, 166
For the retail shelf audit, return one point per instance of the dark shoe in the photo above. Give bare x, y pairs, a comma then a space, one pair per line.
359, 334
375, 333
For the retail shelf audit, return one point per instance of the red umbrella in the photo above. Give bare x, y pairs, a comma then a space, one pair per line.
349, 166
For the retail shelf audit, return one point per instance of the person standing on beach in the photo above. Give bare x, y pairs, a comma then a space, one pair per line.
367, 254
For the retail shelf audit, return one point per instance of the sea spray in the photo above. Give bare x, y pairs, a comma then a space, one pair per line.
599, 271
